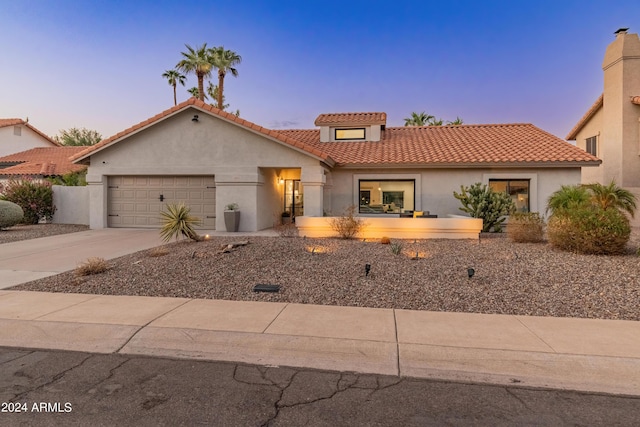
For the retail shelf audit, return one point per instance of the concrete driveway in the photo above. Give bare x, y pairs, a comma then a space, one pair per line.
27, 260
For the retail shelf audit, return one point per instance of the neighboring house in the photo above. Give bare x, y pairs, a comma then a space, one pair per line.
610, 129
208, 158
39, 163
18, 135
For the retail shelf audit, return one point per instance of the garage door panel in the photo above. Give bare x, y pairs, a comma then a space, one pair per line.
134, 201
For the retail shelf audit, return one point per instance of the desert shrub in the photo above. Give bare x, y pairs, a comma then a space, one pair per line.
385, 240
590, 230
396, 248
568, 197
92, 265
10, 214
176, 221
480, 201
34, 197
347, 225
526, 227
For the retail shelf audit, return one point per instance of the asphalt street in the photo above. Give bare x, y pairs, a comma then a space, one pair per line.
43, 388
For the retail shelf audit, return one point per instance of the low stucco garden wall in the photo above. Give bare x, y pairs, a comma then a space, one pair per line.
399, 228
72, 205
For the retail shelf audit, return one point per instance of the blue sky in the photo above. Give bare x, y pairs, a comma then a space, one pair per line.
98, 64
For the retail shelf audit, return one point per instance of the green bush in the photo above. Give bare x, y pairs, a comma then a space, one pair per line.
526, 227
480, 201
71, 179
591, 230
10, 214
34, 197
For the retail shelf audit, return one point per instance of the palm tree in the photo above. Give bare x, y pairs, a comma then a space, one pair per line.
212, 91
566, 198
612, 197
456, 122
434, 122
195, 92
224, 61
418, 119
197, 61
173, 78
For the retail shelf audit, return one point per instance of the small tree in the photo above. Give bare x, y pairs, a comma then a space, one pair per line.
34, 197
480, 201
78, 137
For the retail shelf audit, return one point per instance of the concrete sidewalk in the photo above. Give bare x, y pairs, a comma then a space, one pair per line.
566, 353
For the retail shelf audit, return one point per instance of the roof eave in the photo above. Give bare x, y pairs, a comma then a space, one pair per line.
474, 165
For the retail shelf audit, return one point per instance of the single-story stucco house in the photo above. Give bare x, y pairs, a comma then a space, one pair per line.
18, 135
208, 158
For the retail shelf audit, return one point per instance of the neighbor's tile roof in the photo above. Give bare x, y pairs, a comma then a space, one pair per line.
14, 122
350, 119
583, 121
194, 102
43, 161
464, 145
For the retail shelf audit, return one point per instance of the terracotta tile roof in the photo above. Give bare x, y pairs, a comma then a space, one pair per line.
583, 121
342, 119
635, 100
14, 122
44, 161
194, 102
464, 145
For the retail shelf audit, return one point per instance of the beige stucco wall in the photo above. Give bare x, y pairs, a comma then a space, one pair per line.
593, 128
244, 164
435, 187
72, 205
10, 143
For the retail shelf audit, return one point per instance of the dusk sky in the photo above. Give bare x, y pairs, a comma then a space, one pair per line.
98, 64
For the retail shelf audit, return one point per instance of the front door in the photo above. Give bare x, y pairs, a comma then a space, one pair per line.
293, 197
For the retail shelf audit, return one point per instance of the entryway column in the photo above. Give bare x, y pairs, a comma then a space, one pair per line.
313, 180
238, 185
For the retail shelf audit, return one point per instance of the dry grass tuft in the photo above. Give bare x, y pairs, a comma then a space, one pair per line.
526, 228
158, 251
93, 265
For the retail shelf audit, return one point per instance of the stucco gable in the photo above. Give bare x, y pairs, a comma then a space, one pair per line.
200, 107
571, 136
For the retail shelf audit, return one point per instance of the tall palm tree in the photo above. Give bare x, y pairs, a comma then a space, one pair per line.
612, 197
224, 61
173, 78
418, 119
198, 62
434, 121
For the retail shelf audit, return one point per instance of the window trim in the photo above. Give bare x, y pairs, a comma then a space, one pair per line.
358, 179
363, 129
533, 185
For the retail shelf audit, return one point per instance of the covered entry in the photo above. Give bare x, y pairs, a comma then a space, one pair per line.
136, 201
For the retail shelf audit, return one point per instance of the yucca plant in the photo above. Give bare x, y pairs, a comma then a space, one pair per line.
176, 221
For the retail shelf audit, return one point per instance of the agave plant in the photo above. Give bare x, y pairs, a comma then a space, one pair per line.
176, 221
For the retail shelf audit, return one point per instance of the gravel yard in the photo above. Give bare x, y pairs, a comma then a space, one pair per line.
526, 279
27, 232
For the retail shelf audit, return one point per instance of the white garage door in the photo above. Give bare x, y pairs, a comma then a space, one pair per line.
136, 201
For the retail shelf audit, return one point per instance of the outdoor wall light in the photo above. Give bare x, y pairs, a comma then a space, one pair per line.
367, 269
280, 180
471, 272
195, 118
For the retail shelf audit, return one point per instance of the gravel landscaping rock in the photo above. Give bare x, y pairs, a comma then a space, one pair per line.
27, 232
524, 279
